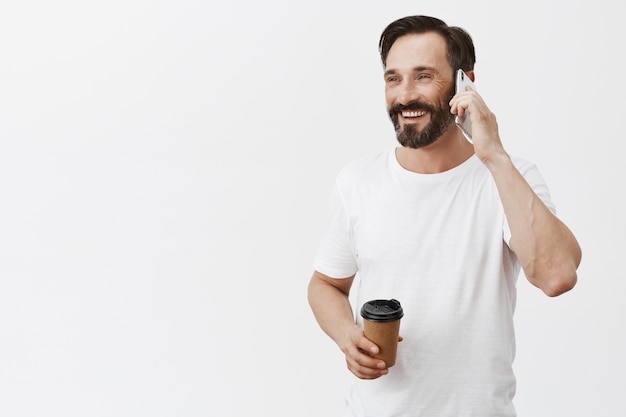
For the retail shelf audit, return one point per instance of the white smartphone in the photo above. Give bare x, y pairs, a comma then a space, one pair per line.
464, 123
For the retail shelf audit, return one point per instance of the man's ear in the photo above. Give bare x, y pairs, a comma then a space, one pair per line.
470, 74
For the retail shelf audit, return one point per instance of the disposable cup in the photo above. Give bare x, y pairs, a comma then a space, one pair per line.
381, 325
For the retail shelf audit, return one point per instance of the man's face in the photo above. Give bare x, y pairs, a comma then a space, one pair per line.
418, 87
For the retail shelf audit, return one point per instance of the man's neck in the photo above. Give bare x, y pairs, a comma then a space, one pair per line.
447, 152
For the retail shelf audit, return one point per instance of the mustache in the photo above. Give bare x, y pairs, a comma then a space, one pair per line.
412, 106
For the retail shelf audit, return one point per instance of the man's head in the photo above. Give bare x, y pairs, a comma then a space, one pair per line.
420, 55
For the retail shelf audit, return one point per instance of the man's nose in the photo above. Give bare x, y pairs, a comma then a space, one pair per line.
409, 92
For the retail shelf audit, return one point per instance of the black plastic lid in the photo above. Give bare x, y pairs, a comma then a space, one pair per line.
382, 310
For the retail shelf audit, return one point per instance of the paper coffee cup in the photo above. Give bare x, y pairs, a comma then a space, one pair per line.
381, 325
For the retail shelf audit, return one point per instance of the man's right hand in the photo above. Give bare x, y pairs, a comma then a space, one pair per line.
330, 303
358, 349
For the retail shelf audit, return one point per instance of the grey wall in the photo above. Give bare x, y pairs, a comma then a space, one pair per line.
164, 169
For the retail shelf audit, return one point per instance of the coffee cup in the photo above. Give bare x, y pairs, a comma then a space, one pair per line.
381, 325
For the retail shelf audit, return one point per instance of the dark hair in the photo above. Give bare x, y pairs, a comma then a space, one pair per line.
461, 53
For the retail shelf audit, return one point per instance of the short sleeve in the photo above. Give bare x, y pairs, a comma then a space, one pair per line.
335, 257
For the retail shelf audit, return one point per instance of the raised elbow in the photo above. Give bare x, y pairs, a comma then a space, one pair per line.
559, 283
555, 275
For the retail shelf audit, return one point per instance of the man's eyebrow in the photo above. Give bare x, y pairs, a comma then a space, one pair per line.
424, 68
390, 72
414, 69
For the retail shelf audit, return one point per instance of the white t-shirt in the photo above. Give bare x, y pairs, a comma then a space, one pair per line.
438, 243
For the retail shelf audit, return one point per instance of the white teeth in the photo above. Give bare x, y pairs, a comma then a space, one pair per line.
413, 113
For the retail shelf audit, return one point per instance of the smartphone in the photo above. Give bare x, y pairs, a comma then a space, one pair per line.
464, 123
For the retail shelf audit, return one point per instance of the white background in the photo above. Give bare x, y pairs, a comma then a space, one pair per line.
164, 173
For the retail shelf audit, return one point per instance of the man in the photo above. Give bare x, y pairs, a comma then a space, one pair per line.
442, 225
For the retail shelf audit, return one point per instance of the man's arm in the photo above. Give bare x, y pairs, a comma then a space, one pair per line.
329, 301
545, 247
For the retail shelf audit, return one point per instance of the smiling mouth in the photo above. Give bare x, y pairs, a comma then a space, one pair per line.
412, 114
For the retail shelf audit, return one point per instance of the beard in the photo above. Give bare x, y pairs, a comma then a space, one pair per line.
440, 121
